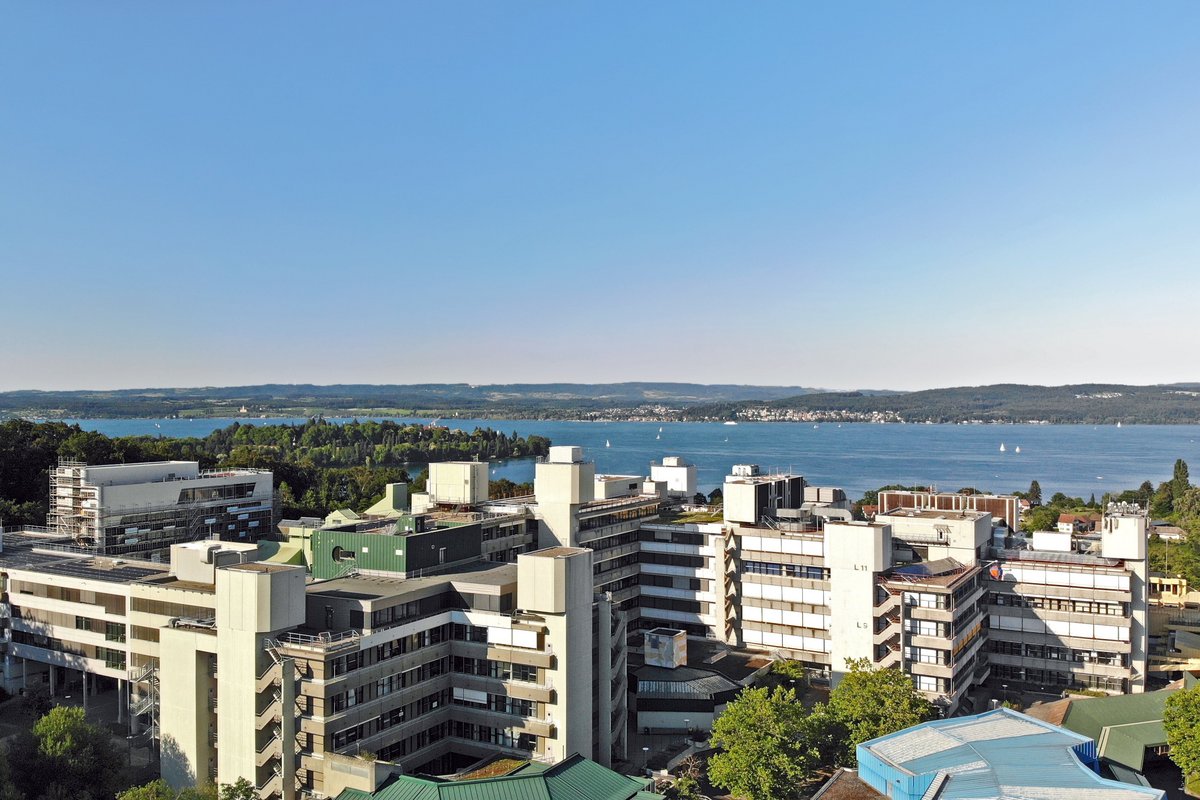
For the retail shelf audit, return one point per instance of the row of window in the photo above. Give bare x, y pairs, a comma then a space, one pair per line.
354, 733
671, 560
673, 536
113, 603
615, 517
493, 702
228, 491
501, 670
1061, 604
1055, 653
671, 582
1055, 679
786, 570
414, 743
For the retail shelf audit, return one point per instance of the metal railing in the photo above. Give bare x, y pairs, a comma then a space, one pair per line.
320, 641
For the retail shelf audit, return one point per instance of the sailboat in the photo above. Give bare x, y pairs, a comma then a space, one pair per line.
660, 428
1002, 447
1118, 424
656, 436
607, 443
1018, 449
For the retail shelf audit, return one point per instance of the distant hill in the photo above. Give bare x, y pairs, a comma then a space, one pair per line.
1090, 403
504, 399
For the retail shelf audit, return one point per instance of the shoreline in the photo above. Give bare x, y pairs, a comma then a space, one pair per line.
444, 418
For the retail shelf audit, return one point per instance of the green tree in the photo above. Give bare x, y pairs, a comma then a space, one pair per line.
1179, 479
205, 791
1042, 518
873, 702
65, 755
1181, 719
769, 746
155, 790
1035, 493
242, 789
687, 785
789, 670
1187, 509
1163, 501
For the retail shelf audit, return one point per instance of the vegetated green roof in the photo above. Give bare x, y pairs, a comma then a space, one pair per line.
575, 778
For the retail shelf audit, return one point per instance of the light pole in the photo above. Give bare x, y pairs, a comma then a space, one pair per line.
687, 731
646, 759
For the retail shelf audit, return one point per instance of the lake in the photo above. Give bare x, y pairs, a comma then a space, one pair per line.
1076, 459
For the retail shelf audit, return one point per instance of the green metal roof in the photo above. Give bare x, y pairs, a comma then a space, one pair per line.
1122, 726
576, 778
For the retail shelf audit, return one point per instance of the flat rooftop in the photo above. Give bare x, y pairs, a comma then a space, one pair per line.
707, 655
558, 552
366, 587
258, 566
765, 478
86, 567
932, 513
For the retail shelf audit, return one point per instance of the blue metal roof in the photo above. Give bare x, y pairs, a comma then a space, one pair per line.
997, 755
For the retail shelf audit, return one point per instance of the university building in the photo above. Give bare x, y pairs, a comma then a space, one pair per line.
138, 508
434, 630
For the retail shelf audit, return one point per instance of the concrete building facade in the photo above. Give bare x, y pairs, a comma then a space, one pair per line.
132, 508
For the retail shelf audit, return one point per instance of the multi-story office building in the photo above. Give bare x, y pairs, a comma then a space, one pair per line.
241, 669
570, 515
1071, 611
131, 508
831, 594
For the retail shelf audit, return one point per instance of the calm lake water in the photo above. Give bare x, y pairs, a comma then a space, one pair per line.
1076, 459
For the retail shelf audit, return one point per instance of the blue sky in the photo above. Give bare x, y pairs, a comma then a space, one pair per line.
898, 195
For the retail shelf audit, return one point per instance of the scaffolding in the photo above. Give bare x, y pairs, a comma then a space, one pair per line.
76, 514
65, 515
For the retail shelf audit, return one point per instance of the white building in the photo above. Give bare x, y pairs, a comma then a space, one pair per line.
129, 508
679, 475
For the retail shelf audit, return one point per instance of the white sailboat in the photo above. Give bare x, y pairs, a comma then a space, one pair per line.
1018, 449
660, 428
1002, 447
1118, 424
607, 443
657, 436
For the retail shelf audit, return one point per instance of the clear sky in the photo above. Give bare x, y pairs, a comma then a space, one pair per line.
886, 195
